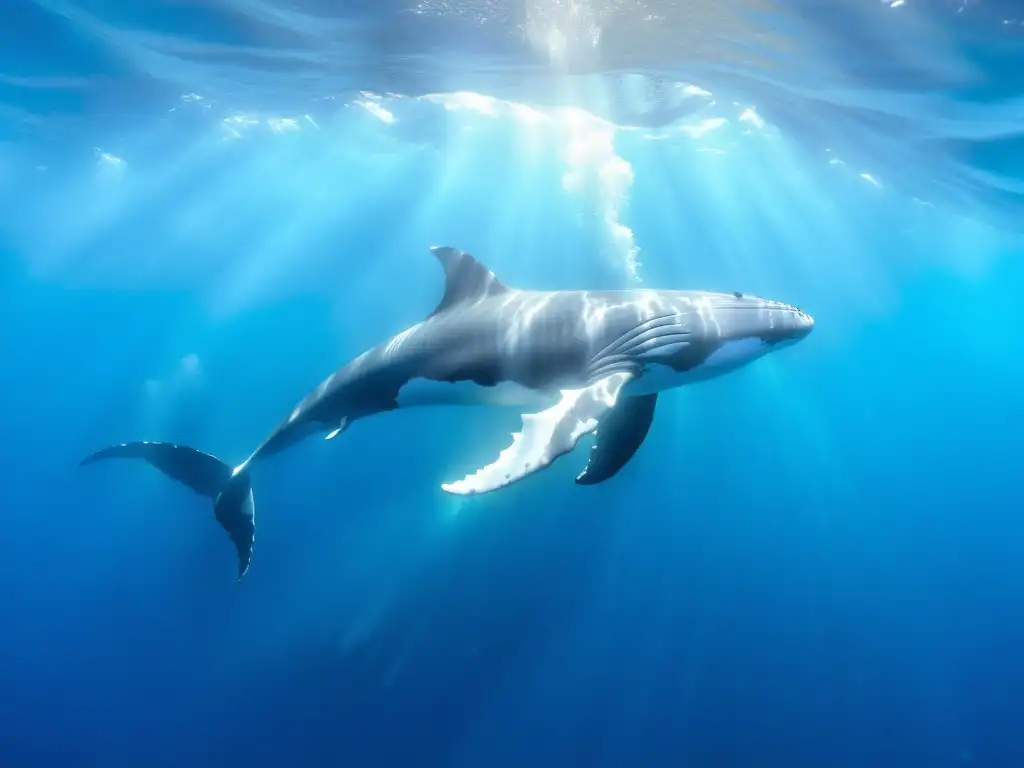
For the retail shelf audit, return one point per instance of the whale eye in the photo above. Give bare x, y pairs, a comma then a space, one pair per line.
737, 294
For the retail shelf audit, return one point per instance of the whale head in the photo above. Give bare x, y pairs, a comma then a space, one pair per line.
741, 316
735, 329
707, 335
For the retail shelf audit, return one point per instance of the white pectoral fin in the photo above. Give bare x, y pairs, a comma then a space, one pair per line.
546, 436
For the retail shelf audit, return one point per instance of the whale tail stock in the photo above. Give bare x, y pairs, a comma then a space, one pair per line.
229, 489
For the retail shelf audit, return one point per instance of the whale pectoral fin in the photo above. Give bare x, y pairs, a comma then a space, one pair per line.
546, 436
619, 435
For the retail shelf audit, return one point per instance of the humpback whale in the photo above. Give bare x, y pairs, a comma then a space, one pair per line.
577, 362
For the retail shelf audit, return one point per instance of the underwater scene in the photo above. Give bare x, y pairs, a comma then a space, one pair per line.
512, 383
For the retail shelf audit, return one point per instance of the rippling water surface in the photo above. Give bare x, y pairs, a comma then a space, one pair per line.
923, 94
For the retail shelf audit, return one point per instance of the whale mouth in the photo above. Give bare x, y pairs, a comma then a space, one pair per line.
786, 324
790, 336
806, 322
795, 322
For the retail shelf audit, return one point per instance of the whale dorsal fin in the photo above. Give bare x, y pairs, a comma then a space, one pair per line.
465, 279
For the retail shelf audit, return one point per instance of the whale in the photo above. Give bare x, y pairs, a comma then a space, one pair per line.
576, 362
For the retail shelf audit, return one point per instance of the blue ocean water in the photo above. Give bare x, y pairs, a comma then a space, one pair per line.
207, 207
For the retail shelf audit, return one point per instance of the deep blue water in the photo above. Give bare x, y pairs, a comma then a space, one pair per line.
814, 561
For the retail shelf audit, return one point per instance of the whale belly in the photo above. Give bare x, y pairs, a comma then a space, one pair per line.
420, 391
729, 356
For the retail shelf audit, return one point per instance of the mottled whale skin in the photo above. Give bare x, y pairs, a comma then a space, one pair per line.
582, 361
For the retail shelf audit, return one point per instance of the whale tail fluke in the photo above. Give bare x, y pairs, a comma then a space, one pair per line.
229, 490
